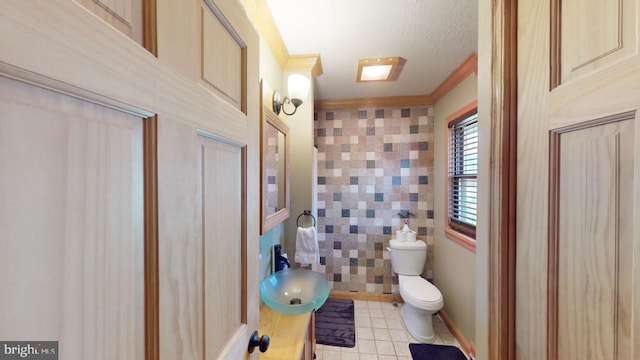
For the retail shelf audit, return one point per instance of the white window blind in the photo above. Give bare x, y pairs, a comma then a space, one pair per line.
463, 174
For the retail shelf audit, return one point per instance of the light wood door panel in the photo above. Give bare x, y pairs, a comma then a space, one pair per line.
179, 242
71, 224
595, 34
203, 249
595, 242
222, 58
224, 309
124, 15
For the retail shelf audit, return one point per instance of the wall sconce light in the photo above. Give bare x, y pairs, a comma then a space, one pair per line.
298, 91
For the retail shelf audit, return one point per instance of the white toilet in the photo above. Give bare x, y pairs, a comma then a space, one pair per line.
421, 298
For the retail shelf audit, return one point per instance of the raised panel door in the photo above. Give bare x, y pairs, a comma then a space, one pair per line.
577, 270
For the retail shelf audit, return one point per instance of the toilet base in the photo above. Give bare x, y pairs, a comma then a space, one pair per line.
418, 323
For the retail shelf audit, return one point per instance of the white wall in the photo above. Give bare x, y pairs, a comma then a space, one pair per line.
301, 158
301, 162
271, 75
454, 265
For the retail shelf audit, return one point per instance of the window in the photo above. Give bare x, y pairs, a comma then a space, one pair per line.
463, 174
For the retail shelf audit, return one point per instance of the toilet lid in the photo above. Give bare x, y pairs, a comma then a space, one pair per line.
420, 293
407, 245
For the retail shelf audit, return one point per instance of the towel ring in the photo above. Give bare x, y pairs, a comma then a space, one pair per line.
307, 213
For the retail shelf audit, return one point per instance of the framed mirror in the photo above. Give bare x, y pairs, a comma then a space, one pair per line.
274, 190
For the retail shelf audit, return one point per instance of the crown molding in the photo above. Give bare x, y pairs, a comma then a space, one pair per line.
468, 67
389, 101
262, 19
309, 62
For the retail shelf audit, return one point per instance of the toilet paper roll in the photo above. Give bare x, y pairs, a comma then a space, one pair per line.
401, 235
411, 235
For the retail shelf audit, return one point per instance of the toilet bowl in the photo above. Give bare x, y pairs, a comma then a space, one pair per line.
421, 298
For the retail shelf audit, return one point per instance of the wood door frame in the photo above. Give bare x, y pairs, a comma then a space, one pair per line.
502, 232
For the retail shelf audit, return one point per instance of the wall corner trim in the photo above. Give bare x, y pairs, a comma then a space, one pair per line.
464, 343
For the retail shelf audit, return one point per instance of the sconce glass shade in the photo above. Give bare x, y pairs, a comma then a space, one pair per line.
298, 87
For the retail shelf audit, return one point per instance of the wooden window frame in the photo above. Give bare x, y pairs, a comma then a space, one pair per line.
466, 240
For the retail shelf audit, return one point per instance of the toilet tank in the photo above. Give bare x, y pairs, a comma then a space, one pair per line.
408, 257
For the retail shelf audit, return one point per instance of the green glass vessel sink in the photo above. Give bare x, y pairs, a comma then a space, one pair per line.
294, 291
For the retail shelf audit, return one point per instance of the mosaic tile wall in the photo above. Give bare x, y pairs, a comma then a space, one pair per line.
372, 164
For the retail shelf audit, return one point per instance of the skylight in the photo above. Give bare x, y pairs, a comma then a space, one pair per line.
379, 69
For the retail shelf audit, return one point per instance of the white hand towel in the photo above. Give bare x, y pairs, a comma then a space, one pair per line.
307, 251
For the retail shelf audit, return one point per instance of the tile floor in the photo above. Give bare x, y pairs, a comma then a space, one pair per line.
381, 335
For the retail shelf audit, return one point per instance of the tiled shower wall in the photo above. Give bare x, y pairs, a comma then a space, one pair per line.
372, 164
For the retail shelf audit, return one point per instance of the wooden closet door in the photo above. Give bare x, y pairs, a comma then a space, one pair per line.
578, 243
71, 224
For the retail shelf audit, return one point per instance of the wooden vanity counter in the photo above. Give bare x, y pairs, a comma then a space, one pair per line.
292, 337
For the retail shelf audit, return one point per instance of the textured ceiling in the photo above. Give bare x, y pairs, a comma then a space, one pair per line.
434, 36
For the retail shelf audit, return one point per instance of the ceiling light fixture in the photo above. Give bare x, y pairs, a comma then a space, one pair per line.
379, 69
298, 87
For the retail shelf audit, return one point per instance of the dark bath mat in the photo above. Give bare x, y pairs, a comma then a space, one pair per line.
335, 325
435, 352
